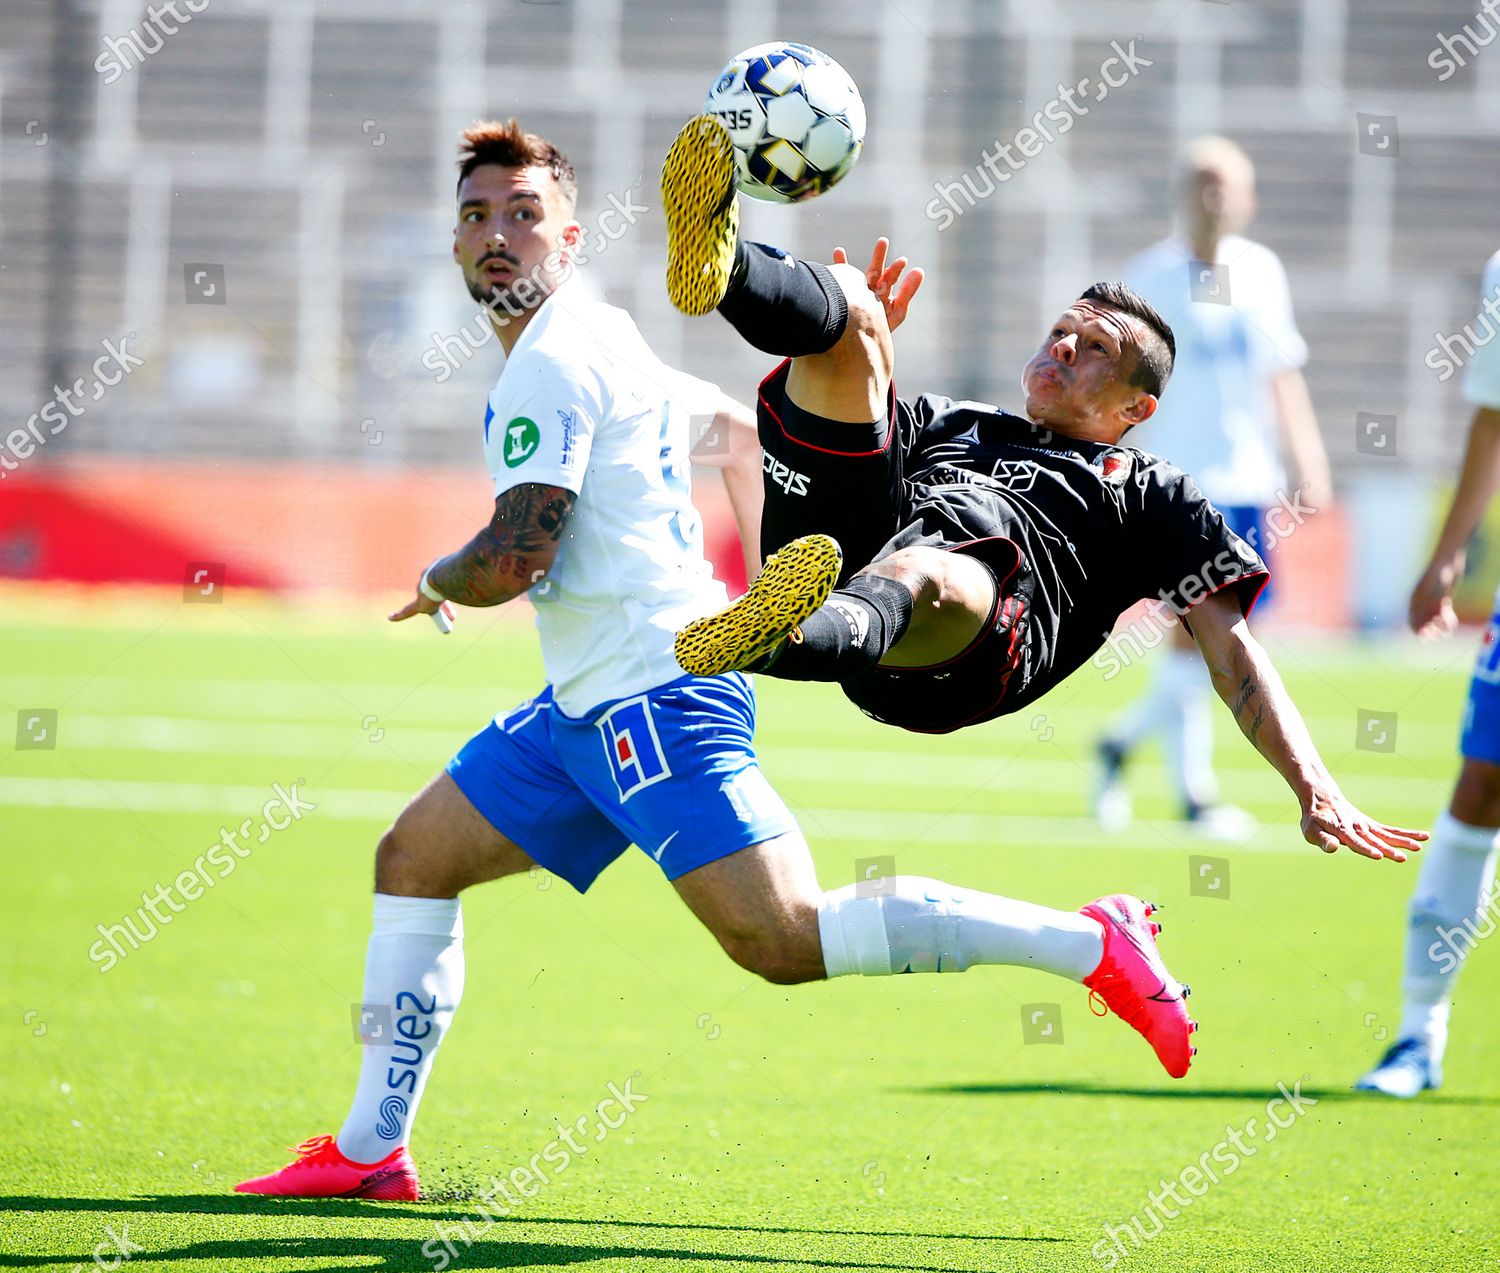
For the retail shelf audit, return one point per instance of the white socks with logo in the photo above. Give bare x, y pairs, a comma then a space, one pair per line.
414, 978
911, 924
1448, 917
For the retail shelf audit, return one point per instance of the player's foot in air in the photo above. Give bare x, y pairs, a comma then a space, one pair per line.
794, 582
1135, 984
321, 1171
697, 194
1407, 1069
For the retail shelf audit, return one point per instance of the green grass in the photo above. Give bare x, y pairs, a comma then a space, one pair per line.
880, 1124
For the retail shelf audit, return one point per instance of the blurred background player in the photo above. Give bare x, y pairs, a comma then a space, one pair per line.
1454, 885
1237, 406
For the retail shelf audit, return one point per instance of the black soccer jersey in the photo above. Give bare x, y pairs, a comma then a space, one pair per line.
1099, 527
1076, 533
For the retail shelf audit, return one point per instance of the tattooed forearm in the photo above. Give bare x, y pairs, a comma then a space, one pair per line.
1252, 730
510, 554
1243, 696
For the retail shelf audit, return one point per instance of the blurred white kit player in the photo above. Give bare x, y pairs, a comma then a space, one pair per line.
1450, 909
1237, 403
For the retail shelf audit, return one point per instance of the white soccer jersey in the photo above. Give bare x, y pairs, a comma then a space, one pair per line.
1217, 418
1482, 379
584, 404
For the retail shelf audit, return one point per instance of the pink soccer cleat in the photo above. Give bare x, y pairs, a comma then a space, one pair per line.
1134, 983
321, 1171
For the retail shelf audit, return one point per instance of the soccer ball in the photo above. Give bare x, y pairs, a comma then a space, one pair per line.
796, 119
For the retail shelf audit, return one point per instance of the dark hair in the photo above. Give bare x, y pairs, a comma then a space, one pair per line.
1157, 353
488, 141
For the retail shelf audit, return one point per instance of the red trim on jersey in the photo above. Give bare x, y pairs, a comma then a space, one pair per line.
890, 430
1263, 575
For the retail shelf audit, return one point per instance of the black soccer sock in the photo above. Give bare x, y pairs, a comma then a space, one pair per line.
849, 634
781, 305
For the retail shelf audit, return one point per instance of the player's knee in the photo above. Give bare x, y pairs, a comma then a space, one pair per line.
927, 573
1476, 797
771, 957
867, 335
405, 869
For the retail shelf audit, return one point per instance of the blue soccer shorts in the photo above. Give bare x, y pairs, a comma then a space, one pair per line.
1481, 732
672, 770
1248, 521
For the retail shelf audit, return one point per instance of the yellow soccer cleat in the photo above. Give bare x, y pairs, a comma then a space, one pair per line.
794, 582
697, 194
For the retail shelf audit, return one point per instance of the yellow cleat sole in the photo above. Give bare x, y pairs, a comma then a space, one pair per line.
697, 195
794, 582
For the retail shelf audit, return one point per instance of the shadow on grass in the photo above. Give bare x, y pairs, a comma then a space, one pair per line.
524, 1253
396, 1255
1186, 1093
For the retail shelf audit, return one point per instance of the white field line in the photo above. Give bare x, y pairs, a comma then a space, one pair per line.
844, 826
915, 770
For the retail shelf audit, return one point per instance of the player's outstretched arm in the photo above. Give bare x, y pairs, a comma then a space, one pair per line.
513, 552
1251, 689
1431, 612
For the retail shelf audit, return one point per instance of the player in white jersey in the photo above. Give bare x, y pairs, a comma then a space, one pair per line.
1450, 908
1237, 403
587, 443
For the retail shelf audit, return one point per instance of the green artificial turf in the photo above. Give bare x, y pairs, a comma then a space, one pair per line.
897, 1123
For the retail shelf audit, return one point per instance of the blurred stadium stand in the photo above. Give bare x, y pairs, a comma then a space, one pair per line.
307, 149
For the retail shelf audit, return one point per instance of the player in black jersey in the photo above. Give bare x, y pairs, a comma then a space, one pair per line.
986, 556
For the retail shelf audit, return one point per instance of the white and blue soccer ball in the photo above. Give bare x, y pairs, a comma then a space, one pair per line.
796, 118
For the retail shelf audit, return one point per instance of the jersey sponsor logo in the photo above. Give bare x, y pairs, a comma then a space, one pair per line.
521, 440
413, 1027
632, 747
791, 482
569, 422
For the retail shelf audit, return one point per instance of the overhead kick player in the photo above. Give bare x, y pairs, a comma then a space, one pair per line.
986, 556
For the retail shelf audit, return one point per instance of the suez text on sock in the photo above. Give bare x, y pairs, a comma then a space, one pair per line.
791, 482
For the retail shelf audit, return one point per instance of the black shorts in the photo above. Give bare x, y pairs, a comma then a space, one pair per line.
832, 478
825, 477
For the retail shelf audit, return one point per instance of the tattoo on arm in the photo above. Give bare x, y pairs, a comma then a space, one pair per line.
512, 552
1252, 731
1243, 696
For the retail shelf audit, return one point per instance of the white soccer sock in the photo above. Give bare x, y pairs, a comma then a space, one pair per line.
922, 925
1188, 728
1448, 916
414, 978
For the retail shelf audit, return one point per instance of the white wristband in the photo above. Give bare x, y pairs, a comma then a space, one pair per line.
427, 590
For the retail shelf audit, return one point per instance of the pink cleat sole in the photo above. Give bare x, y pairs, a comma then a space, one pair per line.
1134, 983
321, 1171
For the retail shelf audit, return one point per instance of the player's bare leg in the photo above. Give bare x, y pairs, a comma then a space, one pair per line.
915, 608
1445, 920
768, 912
414, 974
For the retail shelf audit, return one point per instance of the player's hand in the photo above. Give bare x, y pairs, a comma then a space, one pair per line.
893, 284
1431, 610
1331, 821
423, 605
